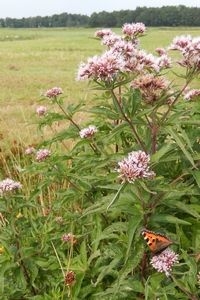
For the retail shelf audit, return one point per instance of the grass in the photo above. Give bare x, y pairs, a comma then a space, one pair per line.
34, 60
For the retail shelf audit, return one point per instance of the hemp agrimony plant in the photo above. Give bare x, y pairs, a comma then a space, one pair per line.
133, 164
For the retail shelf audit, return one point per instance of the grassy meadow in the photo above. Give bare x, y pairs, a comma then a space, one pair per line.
34, 60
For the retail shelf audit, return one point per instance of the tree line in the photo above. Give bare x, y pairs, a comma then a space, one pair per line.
152, 16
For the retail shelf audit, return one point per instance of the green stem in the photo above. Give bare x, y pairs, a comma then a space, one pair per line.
117, 195
67, 116
58, 259
139, 141
176, 99
94, 148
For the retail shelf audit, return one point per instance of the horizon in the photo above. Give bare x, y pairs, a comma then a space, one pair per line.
19, 9
71, 13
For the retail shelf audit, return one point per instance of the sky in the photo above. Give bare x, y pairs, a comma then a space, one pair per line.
32, 8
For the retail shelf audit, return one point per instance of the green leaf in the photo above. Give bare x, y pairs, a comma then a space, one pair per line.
132, 228
181, 143
122, 187
196, 175
108, 269
105, 111
187, 208
165, 149
164, 218
83, 254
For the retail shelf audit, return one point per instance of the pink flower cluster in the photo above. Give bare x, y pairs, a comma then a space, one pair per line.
69, 237
110, 40
53, 92
30, 150
133, 30
122, 56
161, 51
88, 132
103, 32
42, 154
135, 166
8, 185
164, 261
41, 110
101, 68
192, 94
151, 87
190, 50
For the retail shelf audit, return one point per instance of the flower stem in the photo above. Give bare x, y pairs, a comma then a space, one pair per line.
139, 141
117, 195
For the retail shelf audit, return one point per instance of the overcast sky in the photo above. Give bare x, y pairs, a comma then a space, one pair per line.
29, 8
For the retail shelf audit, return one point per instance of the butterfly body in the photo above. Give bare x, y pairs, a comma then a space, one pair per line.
156, 242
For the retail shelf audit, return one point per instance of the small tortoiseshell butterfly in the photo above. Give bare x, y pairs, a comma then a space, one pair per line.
157, 242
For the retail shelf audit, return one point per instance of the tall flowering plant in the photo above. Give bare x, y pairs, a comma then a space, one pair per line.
133, 164
150, 116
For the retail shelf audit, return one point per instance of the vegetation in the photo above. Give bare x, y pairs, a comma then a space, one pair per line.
153, 16
74, 204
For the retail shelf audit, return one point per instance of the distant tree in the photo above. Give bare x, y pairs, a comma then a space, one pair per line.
152, 16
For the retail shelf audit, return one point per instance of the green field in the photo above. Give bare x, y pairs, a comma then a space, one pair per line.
34, 60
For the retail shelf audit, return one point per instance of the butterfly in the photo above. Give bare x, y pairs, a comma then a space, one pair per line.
157, 242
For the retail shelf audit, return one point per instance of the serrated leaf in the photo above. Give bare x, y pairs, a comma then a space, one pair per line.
187, 208
132, 228
165, 149
196, 175
108, 269
181, 145
83, 254
164, 218
105, 111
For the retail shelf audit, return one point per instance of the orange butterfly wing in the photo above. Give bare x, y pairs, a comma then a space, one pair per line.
156, 241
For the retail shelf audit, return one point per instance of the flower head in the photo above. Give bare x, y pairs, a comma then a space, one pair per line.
70, 278
180, 42
147, 61
30, 150
53, 92
125, 48
132, 30
150, 86
164, 261
135, 166
160, 51
88, 132
192, 94
190, 50
8, 185
42, 154
102, 68
103, 32
69, 237
164, 62
41, 110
